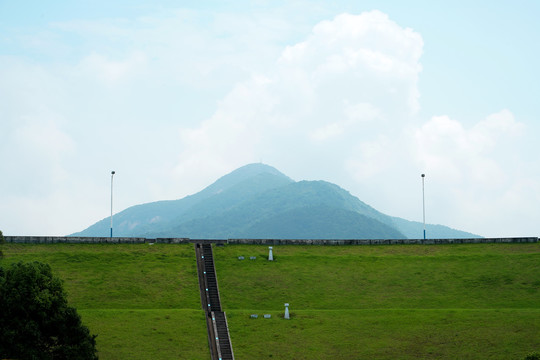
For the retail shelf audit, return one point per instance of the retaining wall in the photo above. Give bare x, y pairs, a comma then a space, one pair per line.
72, 240
132, 240
382, 241
101, 240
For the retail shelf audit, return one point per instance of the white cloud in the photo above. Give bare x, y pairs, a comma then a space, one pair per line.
474, 182
110, 71
372, 158
43, 139
457, 154
367, 48
353, 115
361, 112
342, 85
477, 178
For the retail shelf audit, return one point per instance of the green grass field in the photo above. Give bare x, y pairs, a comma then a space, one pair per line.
346, 302
383, 302
142, 301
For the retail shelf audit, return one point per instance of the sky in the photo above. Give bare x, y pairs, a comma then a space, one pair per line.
172, 95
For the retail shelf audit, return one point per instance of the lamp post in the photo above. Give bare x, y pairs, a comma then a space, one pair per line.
112, 175
423, 206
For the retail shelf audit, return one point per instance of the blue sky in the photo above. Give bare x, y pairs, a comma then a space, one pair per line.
365, 94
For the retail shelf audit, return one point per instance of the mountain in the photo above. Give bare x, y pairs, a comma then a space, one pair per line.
258, 201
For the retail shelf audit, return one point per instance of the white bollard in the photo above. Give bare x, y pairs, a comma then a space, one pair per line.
287, 311
270, 255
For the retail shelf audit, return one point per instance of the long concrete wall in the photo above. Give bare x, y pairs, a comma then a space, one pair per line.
130, 240
72, 240
100, 240
382, 241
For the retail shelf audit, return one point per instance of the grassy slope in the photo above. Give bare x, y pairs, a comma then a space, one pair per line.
386, 302
386, 334
347, 302
148, 333
143, 301
360, 277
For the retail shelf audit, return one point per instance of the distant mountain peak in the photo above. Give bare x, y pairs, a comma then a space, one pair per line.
243, 173
255, 169
257, 200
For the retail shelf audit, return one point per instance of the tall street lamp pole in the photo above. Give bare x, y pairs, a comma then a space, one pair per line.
423, 206
112, 175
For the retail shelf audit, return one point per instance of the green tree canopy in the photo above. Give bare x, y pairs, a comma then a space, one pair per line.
1, 242
35, 319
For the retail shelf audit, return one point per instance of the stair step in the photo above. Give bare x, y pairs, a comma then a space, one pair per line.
206, 261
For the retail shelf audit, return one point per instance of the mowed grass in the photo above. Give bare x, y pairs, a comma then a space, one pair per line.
383, 302
346, 302
107, 276
373, 277
386, 334
149, 333
141, 300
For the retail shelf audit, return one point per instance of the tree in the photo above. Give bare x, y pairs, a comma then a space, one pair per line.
1, 242
35, 319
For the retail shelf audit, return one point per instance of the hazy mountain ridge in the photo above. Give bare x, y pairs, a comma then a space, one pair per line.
258, 201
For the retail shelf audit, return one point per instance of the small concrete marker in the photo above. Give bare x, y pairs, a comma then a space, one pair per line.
252, 257
254, 316
287, 311
267, 316
270, 255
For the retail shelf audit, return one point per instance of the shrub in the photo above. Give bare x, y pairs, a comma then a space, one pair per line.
36, 321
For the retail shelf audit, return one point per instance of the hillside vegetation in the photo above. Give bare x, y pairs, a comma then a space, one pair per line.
347, 302
258, 201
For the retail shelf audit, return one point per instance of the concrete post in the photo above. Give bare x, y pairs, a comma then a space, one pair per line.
270, 255
287, 311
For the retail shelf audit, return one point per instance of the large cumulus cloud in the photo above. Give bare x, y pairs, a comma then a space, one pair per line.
349, 81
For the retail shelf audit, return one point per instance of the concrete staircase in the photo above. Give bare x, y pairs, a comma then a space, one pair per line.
216, 320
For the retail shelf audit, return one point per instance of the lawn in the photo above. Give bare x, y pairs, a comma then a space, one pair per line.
386, 334
473, 301
383, 302
141, 300
486, 276
148, 333
107, 276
